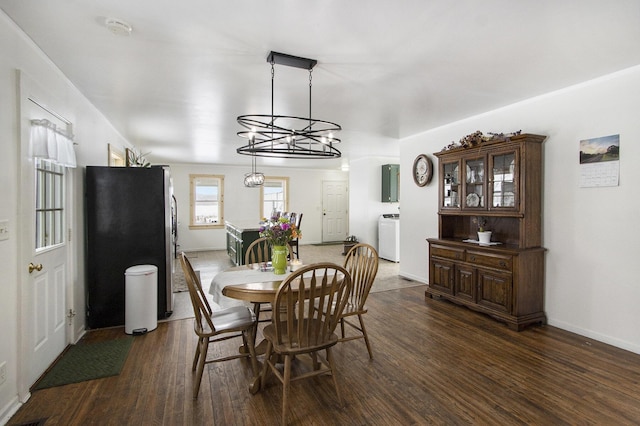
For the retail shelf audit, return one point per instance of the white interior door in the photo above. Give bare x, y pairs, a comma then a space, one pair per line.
43, 250
335, 211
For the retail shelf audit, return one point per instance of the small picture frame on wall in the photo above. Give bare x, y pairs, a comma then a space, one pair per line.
115, 157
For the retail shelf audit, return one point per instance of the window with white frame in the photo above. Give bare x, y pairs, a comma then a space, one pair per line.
274, 196
49, 204
207, 201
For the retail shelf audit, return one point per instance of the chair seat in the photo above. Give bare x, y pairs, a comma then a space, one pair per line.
230, 319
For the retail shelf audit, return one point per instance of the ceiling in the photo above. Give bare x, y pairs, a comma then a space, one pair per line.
386, 69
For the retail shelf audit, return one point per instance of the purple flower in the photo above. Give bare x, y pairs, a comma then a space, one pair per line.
279, 231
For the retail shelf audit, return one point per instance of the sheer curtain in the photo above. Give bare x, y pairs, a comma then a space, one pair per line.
48, 142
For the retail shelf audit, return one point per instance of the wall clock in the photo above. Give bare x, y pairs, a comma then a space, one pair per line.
422, 170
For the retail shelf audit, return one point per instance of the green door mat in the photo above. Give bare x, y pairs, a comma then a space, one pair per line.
87, 362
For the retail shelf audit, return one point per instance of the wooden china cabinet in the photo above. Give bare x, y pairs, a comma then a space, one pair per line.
501, 181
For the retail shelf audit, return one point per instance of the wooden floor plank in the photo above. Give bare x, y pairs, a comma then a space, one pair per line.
434, 363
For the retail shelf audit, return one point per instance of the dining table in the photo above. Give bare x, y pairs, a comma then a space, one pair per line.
246, 284
251, 284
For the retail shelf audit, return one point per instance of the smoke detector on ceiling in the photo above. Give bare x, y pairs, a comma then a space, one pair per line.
118, 26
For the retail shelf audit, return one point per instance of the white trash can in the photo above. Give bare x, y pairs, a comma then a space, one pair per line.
141, 299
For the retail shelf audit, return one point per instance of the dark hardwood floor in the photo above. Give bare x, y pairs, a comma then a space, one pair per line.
434, 363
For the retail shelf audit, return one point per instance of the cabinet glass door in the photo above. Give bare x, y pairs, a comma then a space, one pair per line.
504, 190
451, 185
474, 183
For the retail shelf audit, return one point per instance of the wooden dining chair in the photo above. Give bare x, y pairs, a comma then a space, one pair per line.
294, 243
307, 309
362, 263
259, 251
215, 326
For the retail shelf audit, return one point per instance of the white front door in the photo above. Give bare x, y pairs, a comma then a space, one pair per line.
43, 251
335, 211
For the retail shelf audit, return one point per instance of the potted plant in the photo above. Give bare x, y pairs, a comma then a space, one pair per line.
484, 236
279, 231
136, 158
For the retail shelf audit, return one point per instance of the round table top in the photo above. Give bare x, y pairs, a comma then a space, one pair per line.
263, 292
256, 291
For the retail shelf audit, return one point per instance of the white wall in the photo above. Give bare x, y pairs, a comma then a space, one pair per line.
592, 286
242, 204
365, 206
8, 211
93, 132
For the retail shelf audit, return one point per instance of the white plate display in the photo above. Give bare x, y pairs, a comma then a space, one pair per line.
473, 200
512, 167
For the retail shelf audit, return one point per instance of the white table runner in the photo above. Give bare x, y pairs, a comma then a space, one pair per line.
243, 276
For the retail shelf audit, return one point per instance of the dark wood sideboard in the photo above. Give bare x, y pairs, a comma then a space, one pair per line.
501, 181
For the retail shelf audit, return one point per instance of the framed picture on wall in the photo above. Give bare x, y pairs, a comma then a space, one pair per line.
116, 157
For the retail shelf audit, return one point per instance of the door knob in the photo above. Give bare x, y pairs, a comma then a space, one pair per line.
33, 267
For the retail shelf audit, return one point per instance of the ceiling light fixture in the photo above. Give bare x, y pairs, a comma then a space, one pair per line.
118, 26
253, 179
286, 136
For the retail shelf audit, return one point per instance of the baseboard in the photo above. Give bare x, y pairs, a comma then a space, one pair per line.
412, 277
10, 409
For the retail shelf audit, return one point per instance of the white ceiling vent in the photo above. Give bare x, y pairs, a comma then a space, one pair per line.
118, 26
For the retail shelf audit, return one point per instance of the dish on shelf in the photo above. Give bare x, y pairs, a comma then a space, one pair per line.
512, 167
473, 200
490, 243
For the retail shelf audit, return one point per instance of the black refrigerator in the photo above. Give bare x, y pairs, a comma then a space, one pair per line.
128, 222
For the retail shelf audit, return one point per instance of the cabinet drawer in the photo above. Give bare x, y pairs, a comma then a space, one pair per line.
491, 260
447, 252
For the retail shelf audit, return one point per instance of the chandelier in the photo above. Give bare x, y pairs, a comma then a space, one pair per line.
253, 179
286, 136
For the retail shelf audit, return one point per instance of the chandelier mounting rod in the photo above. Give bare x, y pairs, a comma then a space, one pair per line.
291, 61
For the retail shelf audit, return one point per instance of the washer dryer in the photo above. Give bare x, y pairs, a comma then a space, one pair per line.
389, 237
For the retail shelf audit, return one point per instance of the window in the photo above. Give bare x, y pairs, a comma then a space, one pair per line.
274, 196
207, 201
49, 204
